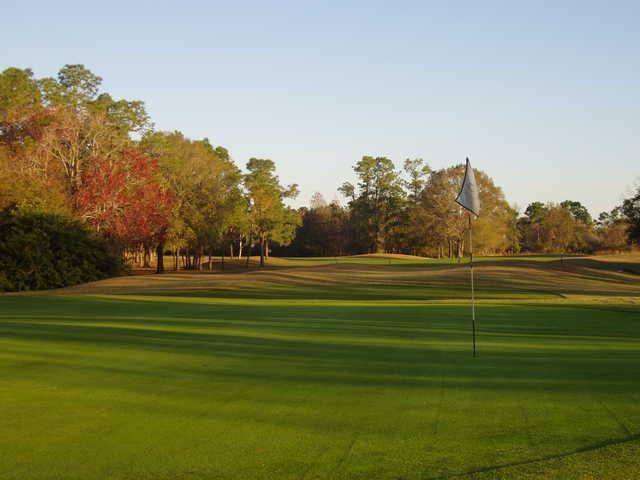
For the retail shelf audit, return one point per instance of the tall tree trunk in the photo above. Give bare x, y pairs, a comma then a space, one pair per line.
175, 260
160, 255
249, 250
261, 251
222, 260
231, 249
146, 256
210, 261
379, 243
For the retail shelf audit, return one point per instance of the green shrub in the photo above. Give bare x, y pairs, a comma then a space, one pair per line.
40, 251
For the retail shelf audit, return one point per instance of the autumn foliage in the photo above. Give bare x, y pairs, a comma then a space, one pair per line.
70, 150
124, 198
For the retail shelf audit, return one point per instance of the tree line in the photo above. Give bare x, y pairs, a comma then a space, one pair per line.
411, 211
66, 148
69, 149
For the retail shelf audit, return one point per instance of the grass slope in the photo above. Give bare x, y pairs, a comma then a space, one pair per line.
354, 370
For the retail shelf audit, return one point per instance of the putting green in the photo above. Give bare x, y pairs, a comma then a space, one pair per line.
130, 378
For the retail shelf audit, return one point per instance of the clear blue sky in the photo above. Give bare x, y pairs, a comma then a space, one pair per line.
545, 97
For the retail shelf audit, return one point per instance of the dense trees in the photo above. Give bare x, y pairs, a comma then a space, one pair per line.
374, 203
324, 230
613, 230
417, 172
68, 148
126, 199
444, 224
631, 212
269, 217
405, 212
51, 130
72, 151
208, 199
566, 227
413, 212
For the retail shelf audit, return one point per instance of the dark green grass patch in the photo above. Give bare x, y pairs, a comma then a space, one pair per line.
178, 387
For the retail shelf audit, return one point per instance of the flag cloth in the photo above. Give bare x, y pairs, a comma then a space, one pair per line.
469, 197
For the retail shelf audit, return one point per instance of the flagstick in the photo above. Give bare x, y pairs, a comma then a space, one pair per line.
473, 300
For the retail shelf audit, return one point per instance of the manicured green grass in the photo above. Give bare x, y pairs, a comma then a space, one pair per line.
404, 260
319, 383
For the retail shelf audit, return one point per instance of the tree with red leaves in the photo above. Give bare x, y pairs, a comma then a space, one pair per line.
124, 198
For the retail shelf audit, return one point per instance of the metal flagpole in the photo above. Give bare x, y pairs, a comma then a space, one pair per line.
469, 199
473, 299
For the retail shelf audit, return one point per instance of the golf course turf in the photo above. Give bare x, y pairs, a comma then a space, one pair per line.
314, 370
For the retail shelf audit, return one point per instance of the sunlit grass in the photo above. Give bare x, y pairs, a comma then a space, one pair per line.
398, 259
348, 371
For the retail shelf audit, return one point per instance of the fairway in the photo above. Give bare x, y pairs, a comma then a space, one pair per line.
316, 370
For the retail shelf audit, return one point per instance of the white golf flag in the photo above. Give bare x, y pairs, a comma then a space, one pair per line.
469, 197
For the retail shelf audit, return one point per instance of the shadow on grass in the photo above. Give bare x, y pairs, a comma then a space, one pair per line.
522, 347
